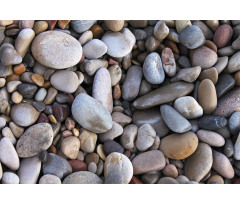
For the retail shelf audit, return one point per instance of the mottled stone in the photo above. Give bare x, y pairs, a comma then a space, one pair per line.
234, 63
225, 83
168, 61
81, 26
49, 179
82, 177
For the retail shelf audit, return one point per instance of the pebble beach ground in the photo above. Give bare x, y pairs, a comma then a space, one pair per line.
119, 102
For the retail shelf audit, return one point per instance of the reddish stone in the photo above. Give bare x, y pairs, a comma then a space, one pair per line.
71, 97
112, 62
222, 35
78, 165
51, 24
52, 149
60, 111
135, 180
97, 31
127, 153
42, 118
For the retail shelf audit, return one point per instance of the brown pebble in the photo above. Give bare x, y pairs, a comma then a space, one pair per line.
211, 74
51, 24
237, 78
173, 46
69, 123
135, 180
92, 157
19, 69
38, 79
47, 84
78, 165
117, 92
114, 25
52, 119
52, 149
216, 178
210, 44
170, 170
13, 77
67, 133
40, 26
63, 23
112, 62
97, 31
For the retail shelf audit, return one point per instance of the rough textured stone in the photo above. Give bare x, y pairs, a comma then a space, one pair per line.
82, 177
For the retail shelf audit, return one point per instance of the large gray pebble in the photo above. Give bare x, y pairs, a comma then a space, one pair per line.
82, 177
82, 25
94, 49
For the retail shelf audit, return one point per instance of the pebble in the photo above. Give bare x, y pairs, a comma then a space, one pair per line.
8, 55
182, 179
57, 166
92, 157
210, 122
24, 114
40, 106
168, 62
120, 43
163, 94
179, 146
47, 44
5, 22
228, 148
94, 49
3, 122
153, 69
167, 180
182, 24
115, 74
81, 26
8, 154
145, 137
88, 140
66, 81
16, 97
82, 177
40, 26
237, 78
236, 154
2, 82
145, 87
121, 118
150, 178
215, 179
225, 83
160, 30
3, 104
222, 165
16, 130
211, 74
92, 167
192, 37
114, 25
131, 85
148, 161
51, 95
234, 63
234, 123
78, 165
114, 132
213, 24
221, 64
206, 31
152, 44
118, 163
90, 114
6, 132
91, 66
236, 44
111, 146
226, 51
207, 96
211, 138
222, 35
174, 120
188, 74
29, 170
10, 178
203, 57
128, 136
49, 179
70, 147
102, 89
35, 139
170, 171
12, 86
24, 40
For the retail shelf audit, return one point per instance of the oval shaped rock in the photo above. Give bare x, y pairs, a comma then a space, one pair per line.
70, 147
234, 63
82, 177
168, 61
114, 132
94, 49
35, 139
82, 25
56, 49
222, 35
49, 179
211, 138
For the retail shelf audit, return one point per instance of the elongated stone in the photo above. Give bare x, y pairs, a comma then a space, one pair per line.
210, 122
225, 83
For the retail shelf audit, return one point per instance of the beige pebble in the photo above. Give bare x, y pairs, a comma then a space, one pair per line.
170, 170
40, 26
211, 74
70, 147
101, 152
16, 97
49, 179
6, 132
88, 140
114, 25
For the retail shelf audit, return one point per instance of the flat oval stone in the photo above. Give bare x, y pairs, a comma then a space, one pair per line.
179, 146
182, 24
10, 178
90, 114
211, 138
161, 30
222, 35
148, 161
163, 94
188, 74
24, 114
57, 166
27, 90
199, 163
35, 139
168, 61
29, 170
102, 89
94, 49
82, 177
70, 147
225, 83
117, 162
221, 64
56, 49
8, 154
66, 81
222, 165
192, 37
210, 122
153, 69
81, 26
114, 132
234, 123
228, 149
49, 179
234, 63
188, 107
119, 44
115, 73
131, 85
203, 57
78, 165
174, 120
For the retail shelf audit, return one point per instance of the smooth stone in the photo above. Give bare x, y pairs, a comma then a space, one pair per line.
131, 85
192, 37
152, 44
128, 136
210, 122
62, 98
94, 49
115, 74
163, 94
82, 177
3, 122
222, 165
35, 139
114, 25
167, 180
236, 44
145, 87
85, 37
92, 157
8, 154
6, 132
81, 26
236, 154
121, 118
234, 63
153, 69
43, 156
29, 170
3, 104
226, 51
138, 23
211, 74
188, 107
181, 179
40, 106
228, 149
2, 82
57, 166
199, 163
139, 34
174, 120
102, 89
47, 44
90, 114
111, 146
228, 104
182, 24
16, 97
145, 137
26, 77
150, 178
60, 111
237, 78
40, 69
148, 161
114, 132
40, 26
91, 66
51, 95
27, 90
168, 62
179, 146
170, 171
225, 83
206, 31
5, 70
88, 140
24, 114
161, 30
49, 179
70, 147
234, 123
114, 178
10, 178
222, 35
16, 130
207, 96
187, 74
92, 167
221, 64
211, 138
215, 179
203, 57
12, 86
119, 44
